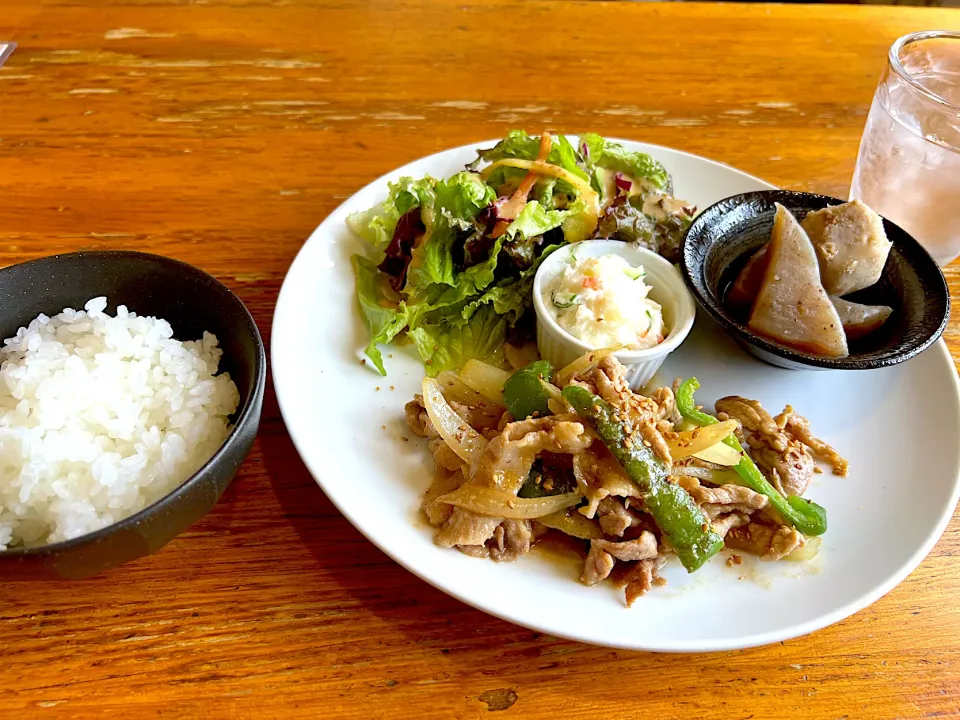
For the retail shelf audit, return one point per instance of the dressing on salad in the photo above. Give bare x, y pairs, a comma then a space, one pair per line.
603, 302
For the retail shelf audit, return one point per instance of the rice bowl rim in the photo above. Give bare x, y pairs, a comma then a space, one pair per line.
242, 413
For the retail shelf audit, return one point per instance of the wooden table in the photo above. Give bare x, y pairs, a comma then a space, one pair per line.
222, 134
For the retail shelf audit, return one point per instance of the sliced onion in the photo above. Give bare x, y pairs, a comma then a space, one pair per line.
485, 379
466, 442
615, 480
583, 364
701, 473
717, 477
522, 355
455, 389
580, 472
720, 454
807, 551
694, 441
684, 425
573, 524
555, 400
620, 485
500, 503
622, 182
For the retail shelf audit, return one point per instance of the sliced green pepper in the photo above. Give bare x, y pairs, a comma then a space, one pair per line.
806, 516
524, 394
674, 511
562, 480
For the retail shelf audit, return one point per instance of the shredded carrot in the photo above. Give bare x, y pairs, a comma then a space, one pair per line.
519, 198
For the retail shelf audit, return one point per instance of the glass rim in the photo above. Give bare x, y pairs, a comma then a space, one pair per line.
906, 76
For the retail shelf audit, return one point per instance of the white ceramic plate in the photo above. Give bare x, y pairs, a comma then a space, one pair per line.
897, 426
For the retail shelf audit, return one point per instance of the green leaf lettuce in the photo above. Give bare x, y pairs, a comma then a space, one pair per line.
613, 156
384, 320
447, 345
458, 201
376, 225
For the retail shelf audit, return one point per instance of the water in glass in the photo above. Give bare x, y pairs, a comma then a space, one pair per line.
908, 169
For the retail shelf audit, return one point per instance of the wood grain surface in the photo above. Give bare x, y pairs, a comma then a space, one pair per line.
222, 134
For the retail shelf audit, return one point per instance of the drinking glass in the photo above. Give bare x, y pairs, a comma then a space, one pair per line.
908, 168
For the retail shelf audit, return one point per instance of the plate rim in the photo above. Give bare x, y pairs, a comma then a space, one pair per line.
675, 646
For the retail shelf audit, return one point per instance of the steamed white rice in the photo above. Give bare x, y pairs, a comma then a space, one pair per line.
101, 416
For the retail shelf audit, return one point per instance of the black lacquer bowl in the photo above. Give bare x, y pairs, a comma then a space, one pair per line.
724, 236
192, 302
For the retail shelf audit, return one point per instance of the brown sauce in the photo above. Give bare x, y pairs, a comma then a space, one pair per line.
561, 548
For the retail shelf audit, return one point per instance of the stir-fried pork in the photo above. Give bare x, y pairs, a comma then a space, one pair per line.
724, 499
598, 566
667, 403
484, 417
444, 481
599, 475
790, 470
754, 418
799, 426
604, 553
768, 541
723, 524
643, 548
505, 463
609, 382
419, 423
511, 539
783, 446
614, 518
631, 548
641, 578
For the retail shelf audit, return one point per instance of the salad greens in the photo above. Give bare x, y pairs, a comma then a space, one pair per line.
452, 261
601, 153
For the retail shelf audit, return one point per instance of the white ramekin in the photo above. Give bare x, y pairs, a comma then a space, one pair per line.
560, 348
